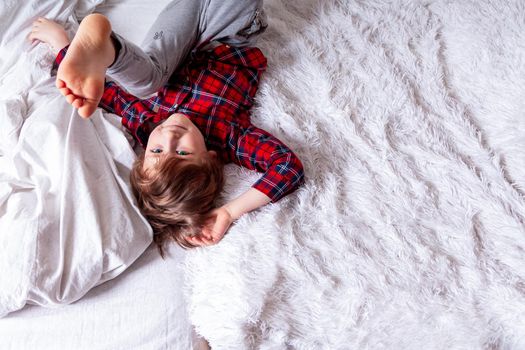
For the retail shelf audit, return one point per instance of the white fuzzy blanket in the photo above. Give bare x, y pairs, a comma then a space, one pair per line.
410, 230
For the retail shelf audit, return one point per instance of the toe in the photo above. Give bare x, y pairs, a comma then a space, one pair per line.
60, 83
65, 91
71, 98
77, 102
87, 109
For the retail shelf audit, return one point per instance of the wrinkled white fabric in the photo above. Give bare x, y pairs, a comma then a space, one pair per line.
68, 221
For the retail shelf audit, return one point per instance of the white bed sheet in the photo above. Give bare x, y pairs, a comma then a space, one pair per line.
143, 307
131, 18
68, 219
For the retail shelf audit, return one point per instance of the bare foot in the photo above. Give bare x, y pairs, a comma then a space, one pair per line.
80, 76
50, 33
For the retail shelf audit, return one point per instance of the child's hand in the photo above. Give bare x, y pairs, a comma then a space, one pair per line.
216, 225
220, 219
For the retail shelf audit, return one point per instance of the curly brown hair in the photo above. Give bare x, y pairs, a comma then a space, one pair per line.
176, 195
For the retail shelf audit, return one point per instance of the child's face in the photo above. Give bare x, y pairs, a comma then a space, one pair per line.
176, 136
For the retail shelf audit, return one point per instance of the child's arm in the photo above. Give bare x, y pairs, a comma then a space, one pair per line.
132, 110
221, 218
255, 149
248, 201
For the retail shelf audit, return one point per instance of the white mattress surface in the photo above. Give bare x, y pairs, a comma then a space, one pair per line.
143, 308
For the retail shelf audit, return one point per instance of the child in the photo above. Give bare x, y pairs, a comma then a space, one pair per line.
195, 123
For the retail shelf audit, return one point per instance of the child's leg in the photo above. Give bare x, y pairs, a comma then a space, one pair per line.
81, 75
114, 99
233, 22
144, 70
183, 25
180, 27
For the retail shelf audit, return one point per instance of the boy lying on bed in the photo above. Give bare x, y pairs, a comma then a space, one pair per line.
196, 122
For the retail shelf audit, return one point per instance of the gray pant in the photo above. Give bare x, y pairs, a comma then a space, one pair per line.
182, 26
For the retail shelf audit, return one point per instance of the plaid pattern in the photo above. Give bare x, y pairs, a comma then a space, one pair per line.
216, 90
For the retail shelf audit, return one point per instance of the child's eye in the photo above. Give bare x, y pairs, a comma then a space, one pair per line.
182, 153
156, 150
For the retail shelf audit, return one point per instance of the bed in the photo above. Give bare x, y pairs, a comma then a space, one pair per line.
140, 308
409, 232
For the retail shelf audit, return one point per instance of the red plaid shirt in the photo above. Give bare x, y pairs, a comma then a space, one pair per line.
215, 90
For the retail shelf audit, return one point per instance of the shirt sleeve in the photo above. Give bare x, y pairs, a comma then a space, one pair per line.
258, 150
133, 110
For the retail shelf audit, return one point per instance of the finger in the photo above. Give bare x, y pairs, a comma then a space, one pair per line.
217, 236
210, 231
221, 225
196, 242
208, 226
199, 241
206, 232
207, 239
203, 239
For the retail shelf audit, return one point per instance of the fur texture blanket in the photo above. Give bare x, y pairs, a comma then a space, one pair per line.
410, 230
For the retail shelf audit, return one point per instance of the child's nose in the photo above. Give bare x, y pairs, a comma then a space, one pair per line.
170, 133
171, 139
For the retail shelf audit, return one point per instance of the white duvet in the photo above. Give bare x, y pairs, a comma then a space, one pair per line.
67, 217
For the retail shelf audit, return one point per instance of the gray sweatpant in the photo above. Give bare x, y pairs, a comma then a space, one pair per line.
182, 26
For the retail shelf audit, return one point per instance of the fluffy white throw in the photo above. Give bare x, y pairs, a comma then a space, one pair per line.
410, 230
